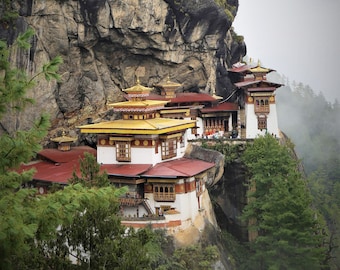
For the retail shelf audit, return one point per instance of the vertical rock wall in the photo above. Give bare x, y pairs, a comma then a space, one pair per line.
106, 43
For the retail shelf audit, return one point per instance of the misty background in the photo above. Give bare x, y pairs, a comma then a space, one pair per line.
300, 39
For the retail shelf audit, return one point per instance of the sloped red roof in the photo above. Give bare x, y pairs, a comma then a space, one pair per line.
183, 167
192, 97
185, 97
52, 172
129, 170
261, 89
57, 166
59, 169
75, 153
251, 82
224, 106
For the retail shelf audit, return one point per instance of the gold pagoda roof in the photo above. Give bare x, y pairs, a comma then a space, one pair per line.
64, 139
169, 84
259, 69
138, 89
138, 105
149, 126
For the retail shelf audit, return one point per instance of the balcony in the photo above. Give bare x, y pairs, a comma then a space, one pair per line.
164, 197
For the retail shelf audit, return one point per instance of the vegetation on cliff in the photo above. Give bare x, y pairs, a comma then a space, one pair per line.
285, 232
313, 125
284, 228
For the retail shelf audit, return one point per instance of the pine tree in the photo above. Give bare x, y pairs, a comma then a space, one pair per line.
288, 232
17, 205
90, 173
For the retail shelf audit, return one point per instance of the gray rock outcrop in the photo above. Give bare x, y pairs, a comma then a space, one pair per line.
105, 44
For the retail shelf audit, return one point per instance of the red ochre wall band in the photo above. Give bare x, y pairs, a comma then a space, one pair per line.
134, 143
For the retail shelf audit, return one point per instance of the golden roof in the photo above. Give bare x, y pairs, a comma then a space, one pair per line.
169, 84
138, 89
148, 126
64, 138
139, 104
259, 69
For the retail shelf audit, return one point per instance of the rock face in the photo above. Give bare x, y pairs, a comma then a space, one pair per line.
229, 196
105, 44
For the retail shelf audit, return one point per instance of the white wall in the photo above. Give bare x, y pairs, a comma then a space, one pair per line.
106, 155
139, 155
251, 122
186, 203
199, 124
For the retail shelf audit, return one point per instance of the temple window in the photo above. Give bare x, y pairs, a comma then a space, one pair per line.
261, 104
169, 148
123, 151
262, 122
164, 192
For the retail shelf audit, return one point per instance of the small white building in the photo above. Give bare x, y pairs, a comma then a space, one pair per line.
257, 114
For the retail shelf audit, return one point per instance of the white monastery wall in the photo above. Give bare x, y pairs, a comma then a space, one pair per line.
272, 122
142, 155
185, 203
106, 155
251, 122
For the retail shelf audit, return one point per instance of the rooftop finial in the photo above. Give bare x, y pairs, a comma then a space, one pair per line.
138, 81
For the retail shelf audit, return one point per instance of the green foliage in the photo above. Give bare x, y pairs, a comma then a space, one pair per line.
8, 13
238, 253
14, 82
279, 208
230, 151
313, 124
325, 188
19, 220
194, 257
228, 9
90, 173
237, 38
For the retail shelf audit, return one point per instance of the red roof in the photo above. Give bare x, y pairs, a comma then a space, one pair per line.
183, 167
261, 89
224, 106
129, 170
75, 153
247, 83
59, 170
52, 172
188, 97
58, 166
192, 97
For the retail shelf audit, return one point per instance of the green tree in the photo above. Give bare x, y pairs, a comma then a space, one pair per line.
78, 223
95, 237
18, 218
90, 173
194, 257
289, 236
315, 134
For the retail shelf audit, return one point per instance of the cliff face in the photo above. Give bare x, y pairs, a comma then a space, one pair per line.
106, 43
